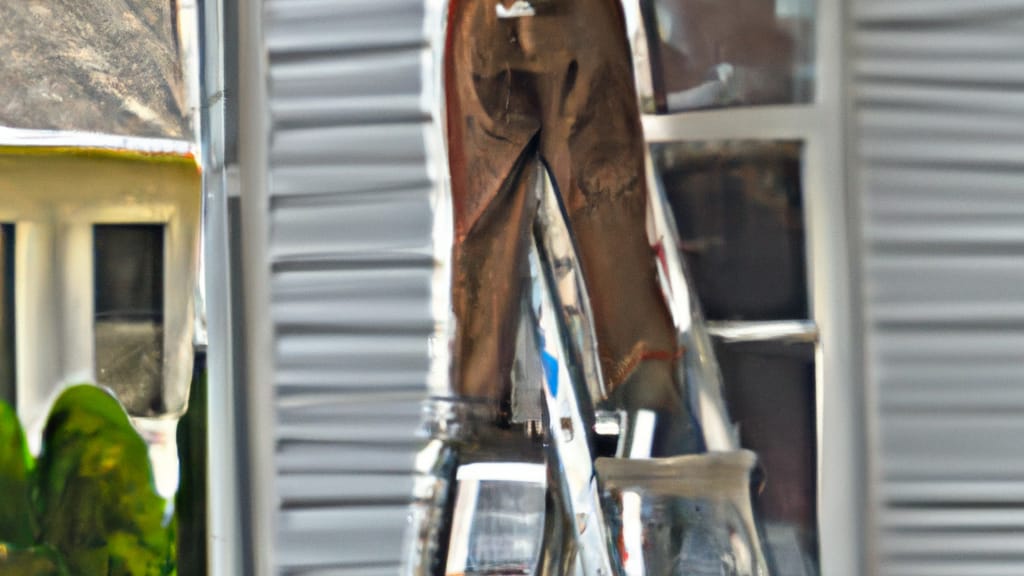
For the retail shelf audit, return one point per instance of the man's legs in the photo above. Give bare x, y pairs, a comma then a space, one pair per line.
593, 142
492, 149
561, 81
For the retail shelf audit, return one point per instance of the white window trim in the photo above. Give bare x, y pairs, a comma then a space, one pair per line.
819, 126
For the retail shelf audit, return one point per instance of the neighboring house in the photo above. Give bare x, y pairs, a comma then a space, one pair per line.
100, 202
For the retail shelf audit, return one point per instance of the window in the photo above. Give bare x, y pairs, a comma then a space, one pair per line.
770, 391
744, 127
8, 385
738, 210
129, 309
738, 206
715, 53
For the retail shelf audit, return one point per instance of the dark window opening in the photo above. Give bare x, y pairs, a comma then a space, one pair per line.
771, 393
8, 361
738, 206
129, 296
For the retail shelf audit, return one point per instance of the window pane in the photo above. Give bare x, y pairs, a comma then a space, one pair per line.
8, 374
129, 277
739, 210
770, 390
713, 53
129, 271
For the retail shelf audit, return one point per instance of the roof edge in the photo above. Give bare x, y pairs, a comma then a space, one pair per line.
22, 137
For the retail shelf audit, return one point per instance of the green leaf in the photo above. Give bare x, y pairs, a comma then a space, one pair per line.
37, 561
95, 493
17, 518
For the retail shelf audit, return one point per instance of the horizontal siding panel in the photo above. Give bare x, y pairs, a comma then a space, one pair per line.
400, 429
955, 43
344, 179
344, 110
389, 299
923, 152
951, 492
966, 395
358, 382
963, 518
933, 12
919, 206
984, 99
959, 71
308, 26
338, 536
938, 89
320, 410
395, 72
355, 351
965, 180
957, 545
349, 89
958, 567
955, 125
358, 144
388, 222
352, 263
382, 569
326, 488
344, 457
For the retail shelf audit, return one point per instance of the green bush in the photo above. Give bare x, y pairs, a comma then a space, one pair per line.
88, 506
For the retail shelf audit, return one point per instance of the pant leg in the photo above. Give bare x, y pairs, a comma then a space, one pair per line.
593, 141
492, 152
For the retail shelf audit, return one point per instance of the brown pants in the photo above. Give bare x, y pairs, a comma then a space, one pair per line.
555, 88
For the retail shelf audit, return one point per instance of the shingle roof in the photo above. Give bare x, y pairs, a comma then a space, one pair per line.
108, 66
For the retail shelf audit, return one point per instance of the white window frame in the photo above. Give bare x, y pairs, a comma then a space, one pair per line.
819, 127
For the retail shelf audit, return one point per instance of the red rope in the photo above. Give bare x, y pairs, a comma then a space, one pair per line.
639, 354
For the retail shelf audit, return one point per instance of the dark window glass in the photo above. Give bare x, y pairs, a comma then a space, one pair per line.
129, 271
129, 294
770, 390
8, 374
738, 207
713, 53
